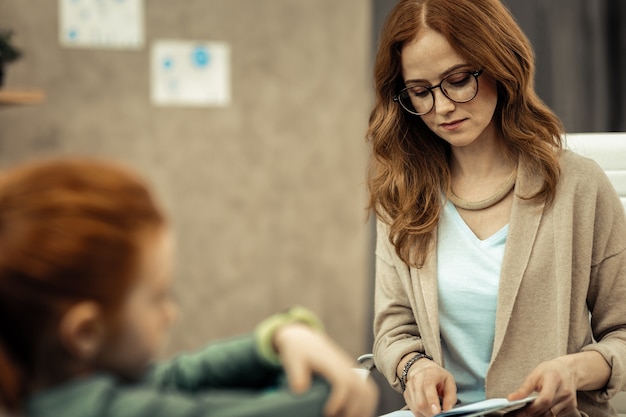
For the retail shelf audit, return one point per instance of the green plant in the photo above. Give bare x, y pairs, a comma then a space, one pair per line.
8, 52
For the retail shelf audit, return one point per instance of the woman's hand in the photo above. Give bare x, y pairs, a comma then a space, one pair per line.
304, 352
556, 385
430, 389
557, 381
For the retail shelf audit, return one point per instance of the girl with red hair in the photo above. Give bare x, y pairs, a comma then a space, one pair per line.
85, 305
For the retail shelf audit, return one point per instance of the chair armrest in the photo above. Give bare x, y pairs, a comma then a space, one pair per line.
366, 361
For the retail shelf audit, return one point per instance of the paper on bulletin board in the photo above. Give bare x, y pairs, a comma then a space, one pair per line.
190, 73
115, 24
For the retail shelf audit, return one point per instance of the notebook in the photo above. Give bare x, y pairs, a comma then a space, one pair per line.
476, 409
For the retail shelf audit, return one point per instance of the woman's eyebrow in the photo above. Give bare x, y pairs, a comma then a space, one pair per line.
442, 75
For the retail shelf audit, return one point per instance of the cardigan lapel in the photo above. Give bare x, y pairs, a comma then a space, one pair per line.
427, 286
523, 225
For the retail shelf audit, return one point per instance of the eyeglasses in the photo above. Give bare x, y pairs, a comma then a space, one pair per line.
459, 87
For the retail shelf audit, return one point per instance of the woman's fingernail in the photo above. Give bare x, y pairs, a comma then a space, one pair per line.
434, 408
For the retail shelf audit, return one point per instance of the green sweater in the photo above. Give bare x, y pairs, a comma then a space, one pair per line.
230, 378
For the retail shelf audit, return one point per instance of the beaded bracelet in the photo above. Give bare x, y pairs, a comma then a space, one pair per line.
408, 365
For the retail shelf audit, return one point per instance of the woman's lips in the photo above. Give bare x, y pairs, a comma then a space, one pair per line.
455, 124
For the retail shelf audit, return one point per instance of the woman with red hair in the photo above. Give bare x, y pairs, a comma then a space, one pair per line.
495, 246
85, 305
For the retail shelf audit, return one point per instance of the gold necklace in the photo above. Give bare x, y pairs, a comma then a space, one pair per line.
489, 201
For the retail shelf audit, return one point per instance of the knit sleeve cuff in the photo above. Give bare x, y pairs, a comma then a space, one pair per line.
265, 331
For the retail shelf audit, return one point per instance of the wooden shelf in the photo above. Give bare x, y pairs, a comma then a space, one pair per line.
9, 96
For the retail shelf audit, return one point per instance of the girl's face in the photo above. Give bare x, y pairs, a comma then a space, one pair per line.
148, 312
426, 61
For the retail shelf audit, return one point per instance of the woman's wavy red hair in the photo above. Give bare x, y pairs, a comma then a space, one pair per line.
409, 166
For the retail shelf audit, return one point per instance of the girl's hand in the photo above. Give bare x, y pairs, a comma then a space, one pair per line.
304, 352
430, 389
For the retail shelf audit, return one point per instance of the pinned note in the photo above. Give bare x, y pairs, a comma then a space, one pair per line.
114, 24
190, 73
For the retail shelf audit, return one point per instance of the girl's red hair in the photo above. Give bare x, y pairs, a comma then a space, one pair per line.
70, 230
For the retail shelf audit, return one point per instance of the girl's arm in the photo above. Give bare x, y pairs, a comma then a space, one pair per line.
230, 363
249, 361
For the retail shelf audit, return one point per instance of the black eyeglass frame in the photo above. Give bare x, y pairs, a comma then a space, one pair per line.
430, 89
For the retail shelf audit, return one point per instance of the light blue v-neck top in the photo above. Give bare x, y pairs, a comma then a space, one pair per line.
468, 274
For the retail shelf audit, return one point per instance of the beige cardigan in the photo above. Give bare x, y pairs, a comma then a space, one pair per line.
561, 264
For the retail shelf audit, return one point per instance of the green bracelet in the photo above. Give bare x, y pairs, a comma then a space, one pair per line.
266, 329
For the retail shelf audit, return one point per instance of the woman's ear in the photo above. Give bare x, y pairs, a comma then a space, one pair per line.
82, 329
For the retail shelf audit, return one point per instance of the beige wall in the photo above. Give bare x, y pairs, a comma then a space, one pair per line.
266, 195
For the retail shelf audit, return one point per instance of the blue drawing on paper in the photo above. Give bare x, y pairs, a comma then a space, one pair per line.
200, 57
102, 23
168, 63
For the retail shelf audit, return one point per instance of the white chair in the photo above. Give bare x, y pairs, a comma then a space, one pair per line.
608, 150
